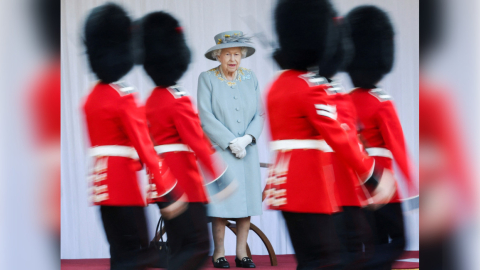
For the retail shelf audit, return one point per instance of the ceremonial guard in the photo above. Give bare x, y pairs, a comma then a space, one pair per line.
179, 139
303, 124
119, 138
351, 224
380, 129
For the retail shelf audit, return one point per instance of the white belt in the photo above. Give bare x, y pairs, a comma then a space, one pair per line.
300, 144
113, 150
379, 152
172, 148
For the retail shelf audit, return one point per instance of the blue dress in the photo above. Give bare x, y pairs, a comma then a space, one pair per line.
227, 110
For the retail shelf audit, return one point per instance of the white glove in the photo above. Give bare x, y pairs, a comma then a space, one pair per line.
385, 190
241, 154
239, 144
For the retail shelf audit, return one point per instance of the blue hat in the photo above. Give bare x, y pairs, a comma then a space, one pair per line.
231, 39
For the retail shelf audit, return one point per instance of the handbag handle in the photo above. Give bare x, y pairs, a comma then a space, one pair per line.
160, 225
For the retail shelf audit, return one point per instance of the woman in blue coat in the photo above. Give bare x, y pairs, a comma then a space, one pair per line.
231, 113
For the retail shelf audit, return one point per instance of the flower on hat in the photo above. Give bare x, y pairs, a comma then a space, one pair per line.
235, 38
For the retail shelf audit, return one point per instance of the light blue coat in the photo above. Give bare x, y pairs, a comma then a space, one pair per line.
227, 110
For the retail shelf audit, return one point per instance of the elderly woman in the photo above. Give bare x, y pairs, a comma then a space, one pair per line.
232, 117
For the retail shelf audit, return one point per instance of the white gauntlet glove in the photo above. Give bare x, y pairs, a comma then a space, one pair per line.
385, 190
238, 145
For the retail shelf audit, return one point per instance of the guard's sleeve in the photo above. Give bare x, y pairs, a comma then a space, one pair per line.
135, 125
214, 129
188, 126
392, 133
256, 124
321, 112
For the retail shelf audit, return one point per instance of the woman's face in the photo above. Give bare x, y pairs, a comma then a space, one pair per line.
230, 59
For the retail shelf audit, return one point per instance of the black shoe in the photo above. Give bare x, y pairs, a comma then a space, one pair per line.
220, 263
244, 263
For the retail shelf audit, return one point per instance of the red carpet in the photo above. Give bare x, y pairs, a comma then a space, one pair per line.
285, 262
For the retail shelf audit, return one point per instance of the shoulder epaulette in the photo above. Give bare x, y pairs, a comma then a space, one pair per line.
122, 88
380, 94
177, 91
335, 87
313, 79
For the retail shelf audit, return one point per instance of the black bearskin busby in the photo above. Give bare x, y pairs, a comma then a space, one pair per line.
48, 13
372, 37
165, 53
304, 30
342, 54
108, 41
431, 24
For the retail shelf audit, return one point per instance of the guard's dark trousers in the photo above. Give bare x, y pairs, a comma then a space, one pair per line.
355, 237
388, 233
314, 240
188, 238
126, 230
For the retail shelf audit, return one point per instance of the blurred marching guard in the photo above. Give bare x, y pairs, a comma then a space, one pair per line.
179, 139
296, 184
119, 137
351, 224
380, 129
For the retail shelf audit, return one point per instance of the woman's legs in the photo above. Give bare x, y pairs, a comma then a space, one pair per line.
218, 231
243, 226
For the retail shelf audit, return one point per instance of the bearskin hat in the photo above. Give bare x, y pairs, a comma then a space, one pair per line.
343, 52
166, 54
48, 14
431, 24
108, 41
304, 32
372, 36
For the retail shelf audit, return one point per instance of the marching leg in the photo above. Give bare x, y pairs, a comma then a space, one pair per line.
388, 234
314, 240
188, 238
127, 234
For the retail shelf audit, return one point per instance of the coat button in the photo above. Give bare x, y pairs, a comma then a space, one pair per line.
235, 97
237, 109
238, 121
239, 133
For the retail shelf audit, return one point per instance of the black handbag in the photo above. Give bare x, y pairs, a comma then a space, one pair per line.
160, 248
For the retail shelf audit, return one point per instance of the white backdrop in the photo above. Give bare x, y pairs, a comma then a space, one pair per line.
82, 234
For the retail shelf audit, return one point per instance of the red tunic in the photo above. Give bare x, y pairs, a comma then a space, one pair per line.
381, 128
172, 120
299, 108
45, 106
349, 191
113, 119
445, 164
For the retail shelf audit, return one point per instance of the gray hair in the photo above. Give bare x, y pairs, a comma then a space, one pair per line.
216, 53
